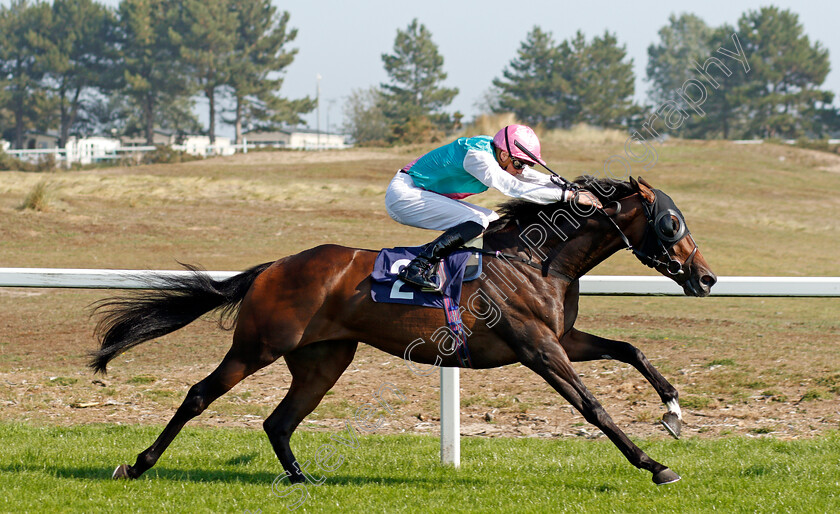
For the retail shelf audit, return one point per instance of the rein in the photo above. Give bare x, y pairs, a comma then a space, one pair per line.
527, 262
651, 254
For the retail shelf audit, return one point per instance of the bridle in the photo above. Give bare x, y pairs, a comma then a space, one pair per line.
665, 227
664, 221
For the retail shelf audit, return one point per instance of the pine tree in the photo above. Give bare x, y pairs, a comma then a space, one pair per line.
536, 84
685, 40
415, 91
259, 57
6, 115
22, 25
205, 36
786, 71
557, 85
726, 107
75, 54
604, 82
149, 73
172, 114
826, 121
688, 51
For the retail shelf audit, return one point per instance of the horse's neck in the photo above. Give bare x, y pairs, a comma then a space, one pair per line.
598, 239
587, 247
579, 255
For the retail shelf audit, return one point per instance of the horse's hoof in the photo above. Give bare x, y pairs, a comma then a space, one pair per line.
666, 476
672, 424
122, 472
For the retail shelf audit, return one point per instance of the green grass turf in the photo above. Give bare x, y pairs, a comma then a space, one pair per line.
54, 469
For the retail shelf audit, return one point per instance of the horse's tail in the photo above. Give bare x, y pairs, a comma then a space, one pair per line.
128, 320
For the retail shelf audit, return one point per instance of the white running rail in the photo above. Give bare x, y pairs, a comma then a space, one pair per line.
450, 441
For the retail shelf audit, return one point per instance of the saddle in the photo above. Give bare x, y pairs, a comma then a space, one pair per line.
463, 265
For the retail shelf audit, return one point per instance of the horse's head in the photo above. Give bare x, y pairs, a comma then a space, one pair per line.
638, 216
662, 241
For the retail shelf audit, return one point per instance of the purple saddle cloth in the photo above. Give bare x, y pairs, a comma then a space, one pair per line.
386, 287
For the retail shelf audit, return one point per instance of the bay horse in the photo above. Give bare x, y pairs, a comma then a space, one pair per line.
313, 308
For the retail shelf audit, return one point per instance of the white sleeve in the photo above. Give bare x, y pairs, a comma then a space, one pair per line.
483, 166
533, 176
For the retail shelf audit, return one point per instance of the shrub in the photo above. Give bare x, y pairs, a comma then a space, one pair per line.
418, 129
167, 155
817, 144
46, 162
39, 198
9, 163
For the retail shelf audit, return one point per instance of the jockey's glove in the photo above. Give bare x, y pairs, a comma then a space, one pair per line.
566, 186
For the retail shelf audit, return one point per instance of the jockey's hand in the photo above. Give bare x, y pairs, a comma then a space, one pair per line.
557, 181
586, 198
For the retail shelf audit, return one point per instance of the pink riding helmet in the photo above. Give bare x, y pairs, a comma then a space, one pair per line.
506, 138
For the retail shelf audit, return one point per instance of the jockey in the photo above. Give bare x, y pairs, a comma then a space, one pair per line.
428, 192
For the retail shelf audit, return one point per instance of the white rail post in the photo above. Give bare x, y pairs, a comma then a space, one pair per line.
450, 417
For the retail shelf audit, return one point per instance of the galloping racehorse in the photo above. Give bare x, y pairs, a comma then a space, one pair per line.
313, 308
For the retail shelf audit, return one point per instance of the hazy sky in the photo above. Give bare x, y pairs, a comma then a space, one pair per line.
343, 40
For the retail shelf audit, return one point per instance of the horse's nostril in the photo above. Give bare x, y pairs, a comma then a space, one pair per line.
708, 280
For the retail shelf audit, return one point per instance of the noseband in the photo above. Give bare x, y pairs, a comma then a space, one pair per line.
665, 227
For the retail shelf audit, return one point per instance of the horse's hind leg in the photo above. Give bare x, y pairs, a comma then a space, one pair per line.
315, 369
229, 373
581, 346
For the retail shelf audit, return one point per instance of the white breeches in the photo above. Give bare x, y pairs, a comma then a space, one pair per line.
414, 206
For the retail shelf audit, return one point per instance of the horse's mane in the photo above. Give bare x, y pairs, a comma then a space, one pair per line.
526, 212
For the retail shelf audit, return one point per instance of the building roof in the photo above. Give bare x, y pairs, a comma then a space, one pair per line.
158, 135
262, 135
258, 135
50, 133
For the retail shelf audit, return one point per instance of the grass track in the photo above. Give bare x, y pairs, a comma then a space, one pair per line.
52, 469
769, 210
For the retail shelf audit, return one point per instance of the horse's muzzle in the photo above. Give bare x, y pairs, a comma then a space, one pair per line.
700, 282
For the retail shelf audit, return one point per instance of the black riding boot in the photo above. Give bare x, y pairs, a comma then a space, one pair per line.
421, 271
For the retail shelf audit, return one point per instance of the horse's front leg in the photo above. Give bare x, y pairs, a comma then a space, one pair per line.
581, 346
549, 360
